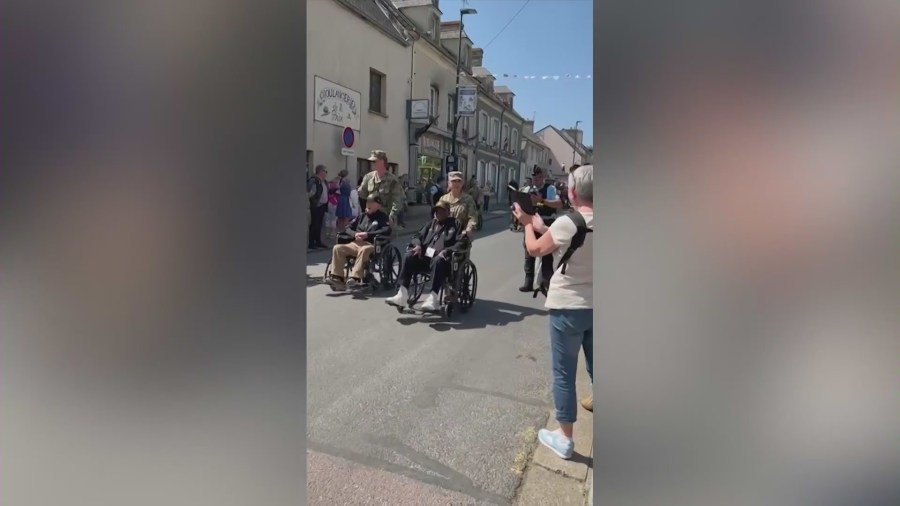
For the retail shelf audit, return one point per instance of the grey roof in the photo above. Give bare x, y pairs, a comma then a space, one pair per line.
400, 4
502, 90
373, 12
582, 149
481, 72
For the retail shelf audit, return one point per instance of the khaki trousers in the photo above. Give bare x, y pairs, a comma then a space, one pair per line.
341, 252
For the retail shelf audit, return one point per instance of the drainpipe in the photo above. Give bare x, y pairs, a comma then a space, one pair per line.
500, 141
410, 131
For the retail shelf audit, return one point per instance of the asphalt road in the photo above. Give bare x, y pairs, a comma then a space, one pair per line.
407, 410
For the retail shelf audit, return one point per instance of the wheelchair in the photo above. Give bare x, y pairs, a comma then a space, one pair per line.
382, 271
458, 292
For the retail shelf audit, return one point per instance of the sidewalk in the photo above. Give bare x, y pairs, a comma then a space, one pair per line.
552, 480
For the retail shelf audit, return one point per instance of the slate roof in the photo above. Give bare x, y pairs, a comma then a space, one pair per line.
581, 148
374, 13
400, 4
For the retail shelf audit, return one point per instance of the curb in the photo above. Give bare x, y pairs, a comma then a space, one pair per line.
548, 478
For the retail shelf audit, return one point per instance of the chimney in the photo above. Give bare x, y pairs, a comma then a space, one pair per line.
578, 135
477, 56
528, 126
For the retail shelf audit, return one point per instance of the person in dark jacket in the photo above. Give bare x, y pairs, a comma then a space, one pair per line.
430, 248
358, 240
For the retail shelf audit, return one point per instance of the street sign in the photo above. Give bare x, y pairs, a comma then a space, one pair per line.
348, 152
468, 100
348, 137
418, 109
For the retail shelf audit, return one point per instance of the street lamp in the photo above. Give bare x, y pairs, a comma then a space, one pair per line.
575, 138
462, 13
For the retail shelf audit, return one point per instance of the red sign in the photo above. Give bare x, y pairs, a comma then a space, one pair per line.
348, 137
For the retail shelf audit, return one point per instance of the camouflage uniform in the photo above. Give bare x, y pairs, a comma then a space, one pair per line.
463, 209
388, 187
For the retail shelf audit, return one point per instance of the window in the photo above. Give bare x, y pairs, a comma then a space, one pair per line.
376, 91
495, 131
480, 174
514, 142
462, 166
482, 126
492, 173
435, 97
392, 167
504, 138
435, 29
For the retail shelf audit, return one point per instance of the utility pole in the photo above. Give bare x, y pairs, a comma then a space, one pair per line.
575, 139
453, 148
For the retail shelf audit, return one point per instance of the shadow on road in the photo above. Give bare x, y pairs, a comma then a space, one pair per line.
485, 313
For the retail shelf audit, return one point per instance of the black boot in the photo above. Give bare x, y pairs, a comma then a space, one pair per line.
528, 286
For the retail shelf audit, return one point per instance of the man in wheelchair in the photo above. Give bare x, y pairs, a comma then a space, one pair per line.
430, 249
358, 241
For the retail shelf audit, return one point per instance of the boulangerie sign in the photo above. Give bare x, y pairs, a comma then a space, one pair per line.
336, 105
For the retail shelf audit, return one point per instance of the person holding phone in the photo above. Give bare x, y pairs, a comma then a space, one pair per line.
546, 201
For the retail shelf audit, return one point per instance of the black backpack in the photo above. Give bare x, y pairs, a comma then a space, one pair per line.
577, 241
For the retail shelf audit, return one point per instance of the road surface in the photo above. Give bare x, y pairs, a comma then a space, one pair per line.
403, 410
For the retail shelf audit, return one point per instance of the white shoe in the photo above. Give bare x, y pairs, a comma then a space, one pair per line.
431, 303
400, 299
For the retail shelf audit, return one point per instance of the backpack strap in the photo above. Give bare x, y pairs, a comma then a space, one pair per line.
577, 239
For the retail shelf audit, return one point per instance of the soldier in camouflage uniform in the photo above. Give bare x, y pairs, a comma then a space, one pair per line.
462, 206
384, 184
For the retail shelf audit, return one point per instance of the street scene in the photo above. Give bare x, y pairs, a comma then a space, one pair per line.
411, 409
449, 264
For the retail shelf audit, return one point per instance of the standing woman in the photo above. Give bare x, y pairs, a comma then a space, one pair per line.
570, 301
344, 210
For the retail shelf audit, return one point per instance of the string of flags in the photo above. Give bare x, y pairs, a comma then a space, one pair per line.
542, 77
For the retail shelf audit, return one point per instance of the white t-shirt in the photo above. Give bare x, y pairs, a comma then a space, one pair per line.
575, 288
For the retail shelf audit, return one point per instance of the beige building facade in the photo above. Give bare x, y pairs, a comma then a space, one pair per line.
566, 148
358, 71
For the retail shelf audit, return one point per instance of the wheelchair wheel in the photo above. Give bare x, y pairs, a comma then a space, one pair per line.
447, 311
467, 286
417, 288
479, 221
389, 269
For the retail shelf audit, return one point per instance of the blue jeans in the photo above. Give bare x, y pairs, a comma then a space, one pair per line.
571, 330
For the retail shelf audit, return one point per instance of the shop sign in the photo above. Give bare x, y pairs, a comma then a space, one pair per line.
430, 144
336, 105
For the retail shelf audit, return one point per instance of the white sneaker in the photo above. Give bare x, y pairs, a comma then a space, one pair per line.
431, 303
400, 299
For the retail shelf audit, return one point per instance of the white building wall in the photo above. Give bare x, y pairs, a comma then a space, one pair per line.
342, 50
433, 69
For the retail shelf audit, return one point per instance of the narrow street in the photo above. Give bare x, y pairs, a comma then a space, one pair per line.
406, 409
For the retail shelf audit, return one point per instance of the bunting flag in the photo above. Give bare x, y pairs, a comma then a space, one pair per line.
540, 77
